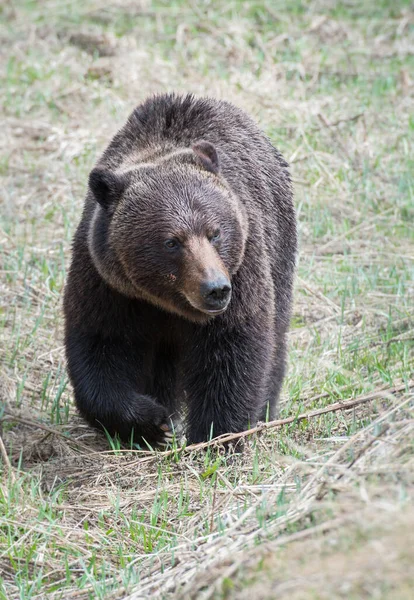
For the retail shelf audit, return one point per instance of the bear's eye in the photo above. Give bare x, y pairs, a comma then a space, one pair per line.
171, 243
216, 235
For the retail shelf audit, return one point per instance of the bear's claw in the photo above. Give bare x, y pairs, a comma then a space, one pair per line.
170, 432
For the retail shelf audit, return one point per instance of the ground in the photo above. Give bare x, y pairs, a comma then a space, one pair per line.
318, 508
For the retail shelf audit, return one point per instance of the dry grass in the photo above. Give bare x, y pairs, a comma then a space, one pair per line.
316, 507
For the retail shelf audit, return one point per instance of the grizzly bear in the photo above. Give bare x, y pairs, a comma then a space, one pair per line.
179, 292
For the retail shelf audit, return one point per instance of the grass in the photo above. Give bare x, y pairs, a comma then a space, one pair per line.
315, 509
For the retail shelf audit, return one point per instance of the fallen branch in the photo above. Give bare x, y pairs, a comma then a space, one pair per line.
229, 437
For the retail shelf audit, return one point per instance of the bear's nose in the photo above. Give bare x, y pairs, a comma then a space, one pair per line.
216, 291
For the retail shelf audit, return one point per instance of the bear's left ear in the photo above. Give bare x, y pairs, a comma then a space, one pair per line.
107, 187
207, 155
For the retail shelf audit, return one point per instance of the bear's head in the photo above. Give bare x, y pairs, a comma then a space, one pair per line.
169, 230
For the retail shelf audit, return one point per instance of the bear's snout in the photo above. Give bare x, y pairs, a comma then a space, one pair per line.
206, 282
216, 292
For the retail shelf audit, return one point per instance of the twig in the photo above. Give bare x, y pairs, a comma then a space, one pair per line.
229, 437
10, 416
367, 224
343, 388
6, 460
319, 295
58, 349
335, 137
323, 489
367, 446
339, 121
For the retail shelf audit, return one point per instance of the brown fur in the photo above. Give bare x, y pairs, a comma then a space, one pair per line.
140, 332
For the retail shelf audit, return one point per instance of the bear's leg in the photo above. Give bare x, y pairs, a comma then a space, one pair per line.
164, 380
109, 379
226, 378
275, 380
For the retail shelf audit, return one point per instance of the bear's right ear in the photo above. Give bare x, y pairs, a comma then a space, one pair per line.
207, 155
107, 187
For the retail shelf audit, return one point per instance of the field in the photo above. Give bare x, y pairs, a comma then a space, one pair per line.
318, 508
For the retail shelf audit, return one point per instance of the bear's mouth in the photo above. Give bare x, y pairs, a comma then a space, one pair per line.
218, 311
213, 312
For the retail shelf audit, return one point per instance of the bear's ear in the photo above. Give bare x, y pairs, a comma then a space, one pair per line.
207, 155
107, 187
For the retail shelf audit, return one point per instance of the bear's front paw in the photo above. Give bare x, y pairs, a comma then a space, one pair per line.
151, 423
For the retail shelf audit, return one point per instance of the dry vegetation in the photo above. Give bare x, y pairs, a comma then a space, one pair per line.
316, 508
